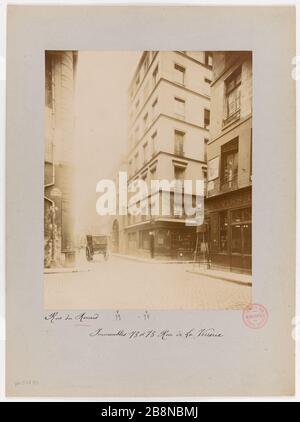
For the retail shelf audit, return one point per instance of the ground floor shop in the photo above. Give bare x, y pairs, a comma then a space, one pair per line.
228, 223
161, 240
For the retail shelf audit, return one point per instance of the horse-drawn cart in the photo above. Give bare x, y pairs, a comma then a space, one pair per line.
97, 245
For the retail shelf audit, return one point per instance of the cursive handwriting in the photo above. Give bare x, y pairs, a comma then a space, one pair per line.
161, 334
82, 317
86, 319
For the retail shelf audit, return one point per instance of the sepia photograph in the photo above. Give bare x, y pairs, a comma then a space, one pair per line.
150, 221
148, 180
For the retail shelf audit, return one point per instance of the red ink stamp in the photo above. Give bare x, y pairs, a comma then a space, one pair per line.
255, 316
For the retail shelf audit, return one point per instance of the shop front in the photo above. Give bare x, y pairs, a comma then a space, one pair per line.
162, 240
229, 222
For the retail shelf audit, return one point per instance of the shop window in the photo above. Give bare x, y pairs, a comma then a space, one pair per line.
144, 240
236, 239
241, 215
247, 239
241, 231
214, 231
223, 231
161, 238
132, 240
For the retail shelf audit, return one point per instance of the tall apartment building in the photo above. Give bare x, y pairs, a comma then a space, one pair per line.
228, 206
59, 245
169, 117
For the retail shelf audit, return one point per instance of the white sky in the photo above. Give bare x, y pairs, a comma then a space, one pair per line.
101, 123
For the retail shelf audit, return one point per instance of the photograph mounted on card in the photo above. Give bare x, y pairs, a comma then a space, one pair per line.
152, 256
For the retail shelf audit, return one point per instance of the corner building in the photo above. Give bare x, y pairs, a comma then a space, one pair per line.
169, 119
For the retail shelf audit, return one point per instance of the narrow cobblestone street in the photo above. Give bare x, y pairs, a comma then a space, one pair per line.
124, 284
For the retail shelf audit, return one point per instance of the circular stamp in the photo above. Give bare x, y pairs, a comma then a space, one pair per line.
255, 316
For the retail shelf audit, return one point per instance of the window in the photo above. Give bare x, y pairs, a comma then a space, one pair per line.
132, 238
136, 134
152, 172
48, 80
155, 75
179, 74
223, 241
179, 140
146, 91
179, 107
130, 168
179, 173
208, 81
208, 59
146, 63
136, 161
146, 121
233, 95
205, 148
229, 165
154, 109
241, 228
154, 141
144, 240
137, 104
145, 152
206, 118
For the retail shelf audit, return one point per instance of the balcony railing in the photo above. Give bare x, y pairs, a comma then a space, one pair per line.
221, 185
232, 117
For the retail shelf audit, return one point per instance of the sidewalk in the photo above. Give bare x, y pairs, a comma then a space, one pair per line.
150, 260
63, 270
243, 279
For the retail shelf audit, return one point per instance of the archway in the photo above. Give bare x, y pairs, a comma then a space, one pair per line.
115, 236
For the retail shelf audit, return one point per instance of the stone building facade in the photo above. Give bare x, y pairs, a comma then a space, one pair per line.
228, 204
169, 118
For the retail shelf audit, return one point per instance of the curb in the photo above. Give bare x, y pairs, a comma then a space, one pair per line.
150, 261
57, 271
